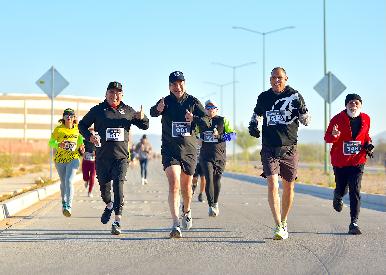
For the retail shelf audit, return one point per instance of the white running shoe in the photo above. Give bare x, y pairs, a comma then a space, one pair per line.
279, 233
187, 221
176, 232
216, 210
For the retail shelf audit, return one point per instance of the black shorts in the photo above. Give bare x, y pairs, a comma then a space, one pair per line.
280, 160
186, 161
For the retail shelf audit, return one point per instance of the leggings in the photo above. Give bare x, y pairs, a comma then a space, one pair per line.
213, 182
88, 170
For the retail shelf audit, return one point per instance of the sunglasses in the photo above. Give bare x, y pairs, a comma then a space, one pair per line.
210, 107
68, 116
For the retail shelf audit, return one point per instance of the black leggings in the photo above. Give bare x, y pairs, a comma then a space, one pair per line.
115, 171
213, 181
350, 178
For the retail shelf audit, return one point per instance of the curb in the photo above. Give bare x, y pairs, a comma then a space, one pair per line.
371, 201
14, 205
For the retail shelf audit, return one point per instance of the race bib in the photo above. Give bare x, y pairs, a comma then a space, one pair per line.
181, 129
208, 137
89, 156
69, 145
274, 117
115, 134
351, 147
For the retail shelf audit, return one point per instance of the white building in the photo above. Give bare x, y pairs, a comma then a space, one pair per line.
28, 116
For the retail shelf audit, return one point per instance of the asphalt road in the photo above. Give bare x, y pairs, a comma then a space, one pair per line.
42, 241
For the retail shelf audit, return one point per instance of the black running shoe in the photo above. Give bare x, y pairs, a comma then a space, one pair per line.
337, 203
106, 215
353, 229
116, 228
194, 186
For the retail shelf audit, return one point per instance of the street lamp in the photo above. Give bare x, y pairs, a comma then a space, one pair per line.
263, 34
234, 93
221, 86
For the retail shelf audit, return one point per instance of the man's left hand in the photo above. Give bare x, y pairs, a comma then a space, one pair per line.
188, 116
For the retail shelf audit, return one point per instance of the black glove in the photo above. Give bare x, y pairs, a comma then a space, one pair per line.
253, 130
369, 148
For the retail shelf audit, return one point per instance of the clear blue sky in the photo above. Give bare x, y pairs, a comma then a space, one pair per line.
140, 42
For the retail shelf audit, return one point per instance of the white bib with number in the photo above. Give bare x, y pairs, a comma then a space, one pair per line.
69, 145
115, 134
274, 117
351, 147
208, 137
181, 129
89, 156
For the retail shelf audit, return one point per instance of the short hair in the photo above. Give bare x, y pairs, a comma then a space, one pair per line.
278, 68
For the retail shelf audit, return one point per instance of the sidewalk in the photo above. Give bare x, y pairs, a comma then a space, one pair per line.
16, 185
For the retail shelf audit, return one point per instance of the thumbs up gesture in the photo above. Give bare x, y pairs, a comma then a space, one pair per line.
188, 116
335, 132
161, 105
139, 115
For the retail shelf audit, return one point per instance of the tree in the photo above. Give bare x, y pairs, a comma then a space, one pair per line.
245, 141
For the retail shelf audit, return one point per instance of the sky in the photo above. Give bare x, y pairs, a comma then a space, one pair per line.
139, 43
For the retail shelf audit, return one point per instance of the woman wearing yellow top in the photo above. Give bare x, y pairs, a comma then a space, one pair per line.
68, 147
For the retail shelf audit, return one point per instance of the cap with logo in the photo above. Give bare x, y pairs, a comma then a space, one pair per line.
114, 85
210, 104
177, 75
68, 111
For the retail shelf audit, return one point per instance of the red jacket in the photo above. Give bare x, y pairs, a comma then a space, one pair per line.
338, 157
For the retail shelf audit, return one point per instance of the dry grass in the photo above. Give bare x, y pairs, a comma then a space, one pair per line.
371, 183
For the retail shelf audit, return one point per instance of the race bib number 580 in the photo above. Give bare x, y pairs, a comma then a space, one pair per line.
181, 129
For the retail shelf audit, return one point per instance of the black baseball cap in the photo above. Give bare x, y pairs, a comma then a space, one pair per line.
177, 75
114, 85
350, 97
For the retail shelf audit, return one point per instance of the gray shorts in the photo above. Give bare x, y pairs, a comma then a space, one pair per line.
280, 160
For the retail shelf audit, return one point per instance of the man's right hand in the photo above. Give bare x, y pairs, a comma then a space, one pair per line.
161, 105
253, 130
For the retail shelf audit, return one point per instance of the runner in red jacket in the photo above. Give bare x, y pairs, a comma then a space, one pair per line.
348, 132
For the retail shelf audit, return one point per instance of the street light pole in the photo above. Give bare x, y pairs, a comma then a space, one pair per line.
221, 86
263, 34
234, 93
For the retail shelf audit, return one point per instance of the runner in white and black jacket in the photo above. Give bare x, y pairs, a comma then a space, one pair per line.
112, 120
282, 108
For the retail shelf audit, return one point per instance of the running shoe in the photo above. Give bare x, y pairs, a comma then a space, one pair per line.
353, 229
145, 181
90, 195
279, 233
337, 203
211, 211
200, 198
116, 228
106, 215
284, 225
85, 184
176, 232
187, 221
216, 210
67, 211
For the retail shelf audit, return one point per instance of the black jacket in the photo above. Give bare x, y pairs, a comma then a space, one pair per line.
280, 113
103, 116
175, 111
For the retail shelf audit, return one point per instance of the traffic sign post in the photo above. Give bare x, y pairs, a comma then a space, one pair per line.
52, 83
329, 88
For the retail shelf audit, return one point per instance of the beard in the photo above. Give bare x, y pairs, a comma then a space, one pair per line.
353, 114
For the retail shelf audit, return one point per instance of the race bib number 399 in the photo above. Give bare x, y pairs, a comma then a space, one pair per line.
115, 134
181, 129
351, 147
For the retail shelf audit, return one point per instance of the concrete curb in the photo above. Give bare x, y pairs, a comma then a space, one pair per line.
375, 202
14, 205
